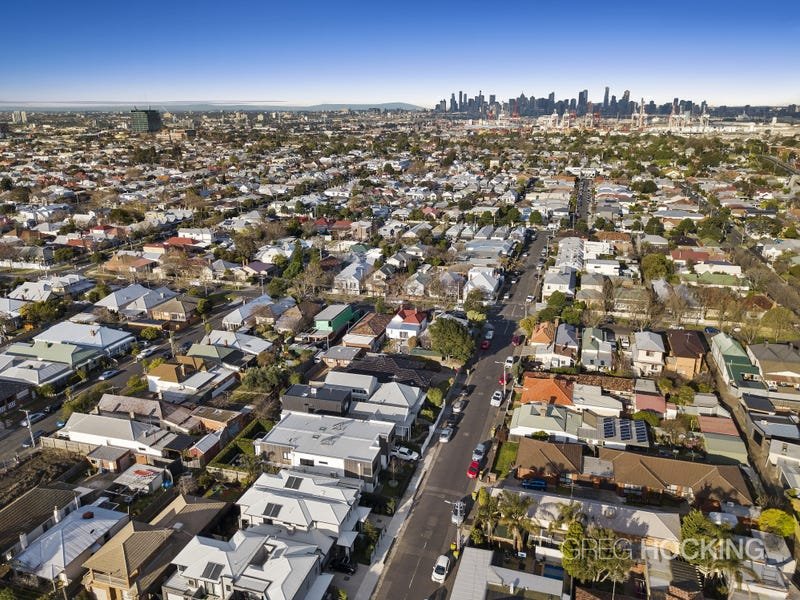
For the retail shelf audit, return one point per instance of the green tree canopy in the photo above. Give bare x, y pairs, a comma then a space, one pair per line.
656, 266
451, 339
777, 521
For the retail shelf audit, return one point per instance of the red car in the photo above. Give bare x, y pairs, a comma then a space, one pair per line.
516, 340
504, 379
485, 344
474, 468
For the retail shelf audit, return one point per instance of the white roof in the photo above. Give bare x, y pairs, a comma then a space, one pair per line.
56, 549
398, 394
304, 500
93, 336
35, 372
325, 435
245, 311
351, 380
108, 427
277, 573
249, 344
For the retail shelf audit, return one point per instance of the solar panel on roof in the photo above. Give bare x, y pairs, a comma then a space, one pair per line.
212, 571
641, 431
271, 509
608, 428
293, 483
625, 430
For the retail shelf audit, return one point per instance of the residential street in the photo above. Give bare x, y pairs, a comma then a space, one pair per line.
428, 531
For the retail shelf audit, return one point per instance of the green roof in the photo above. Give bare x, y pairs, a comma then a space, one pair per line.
68, 354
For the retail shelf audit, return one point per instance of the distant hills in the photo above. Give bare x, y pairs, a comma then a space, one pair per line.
101, 106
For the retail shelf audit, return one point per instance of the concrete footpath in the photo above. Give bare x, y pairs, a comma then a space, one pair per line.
395, 526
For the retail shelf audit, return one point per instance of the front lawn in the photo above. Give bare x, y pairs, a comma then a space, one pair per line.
505, 458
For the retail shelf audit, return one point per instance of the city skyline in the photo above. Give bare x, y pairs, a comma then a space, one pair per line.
313, 53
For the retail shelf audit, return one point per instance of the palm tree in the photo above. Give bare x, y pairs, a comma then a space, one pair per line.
567, 513
513, 509
488, 516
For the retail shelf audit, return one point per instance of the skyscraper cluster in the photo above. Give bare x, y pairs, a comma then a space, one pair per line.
609, 107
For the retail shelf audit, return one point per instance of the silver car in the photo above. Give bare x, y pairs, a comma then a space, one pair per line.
459, 510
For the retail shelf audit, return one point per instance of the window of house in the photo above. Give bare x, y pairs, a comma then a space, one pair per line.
285, 455
306, 462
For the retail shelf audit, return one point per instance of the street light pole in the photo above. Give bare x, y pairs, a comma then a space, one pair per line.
30, 429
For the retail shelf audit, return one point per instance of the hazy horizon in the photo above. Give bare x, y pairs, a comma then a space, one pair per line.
311, 53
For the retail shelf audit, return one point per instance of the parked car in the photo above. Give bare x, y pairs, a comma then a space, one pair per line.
34, 418
529, 298
108, 374
516, 340
489, 334
452, 420
485, 344
473, 469
60, 423
505, 379
509, 362
711, 330
459, 510
146, 352
27, 443
479, 453
445, 435
343, 565
540, 485
459, 406
404, 453
496, 399
440, 569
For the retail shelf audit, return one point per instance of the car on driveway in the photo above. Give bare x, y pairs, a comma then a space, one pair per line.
459, 406
459, 510
446, 434
344, 565
440, 569
34, 418
473, 469
404, 453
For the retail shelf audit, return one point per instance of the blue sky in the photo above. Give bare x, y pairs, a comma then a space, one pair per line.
308, 52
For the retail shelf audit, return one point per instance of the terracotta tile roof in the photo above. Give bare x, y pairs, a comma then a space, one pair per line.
542, 459
720, 425
719, 483
551, 390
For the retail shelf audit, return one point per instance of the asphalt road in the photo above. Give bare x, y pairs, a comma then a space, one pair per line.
428, 531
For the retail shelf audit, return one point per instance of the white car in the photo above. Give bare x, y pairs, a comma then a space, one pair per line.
497, 398
489, 334
509, 362
529, 298
445, 435
146, 352
34, 418
458, 407
440, 569
404, 453
479, 452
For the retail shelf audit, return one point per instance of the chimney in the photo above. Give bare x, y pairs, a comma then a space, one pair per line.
23, 540
313, 391
56, 514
